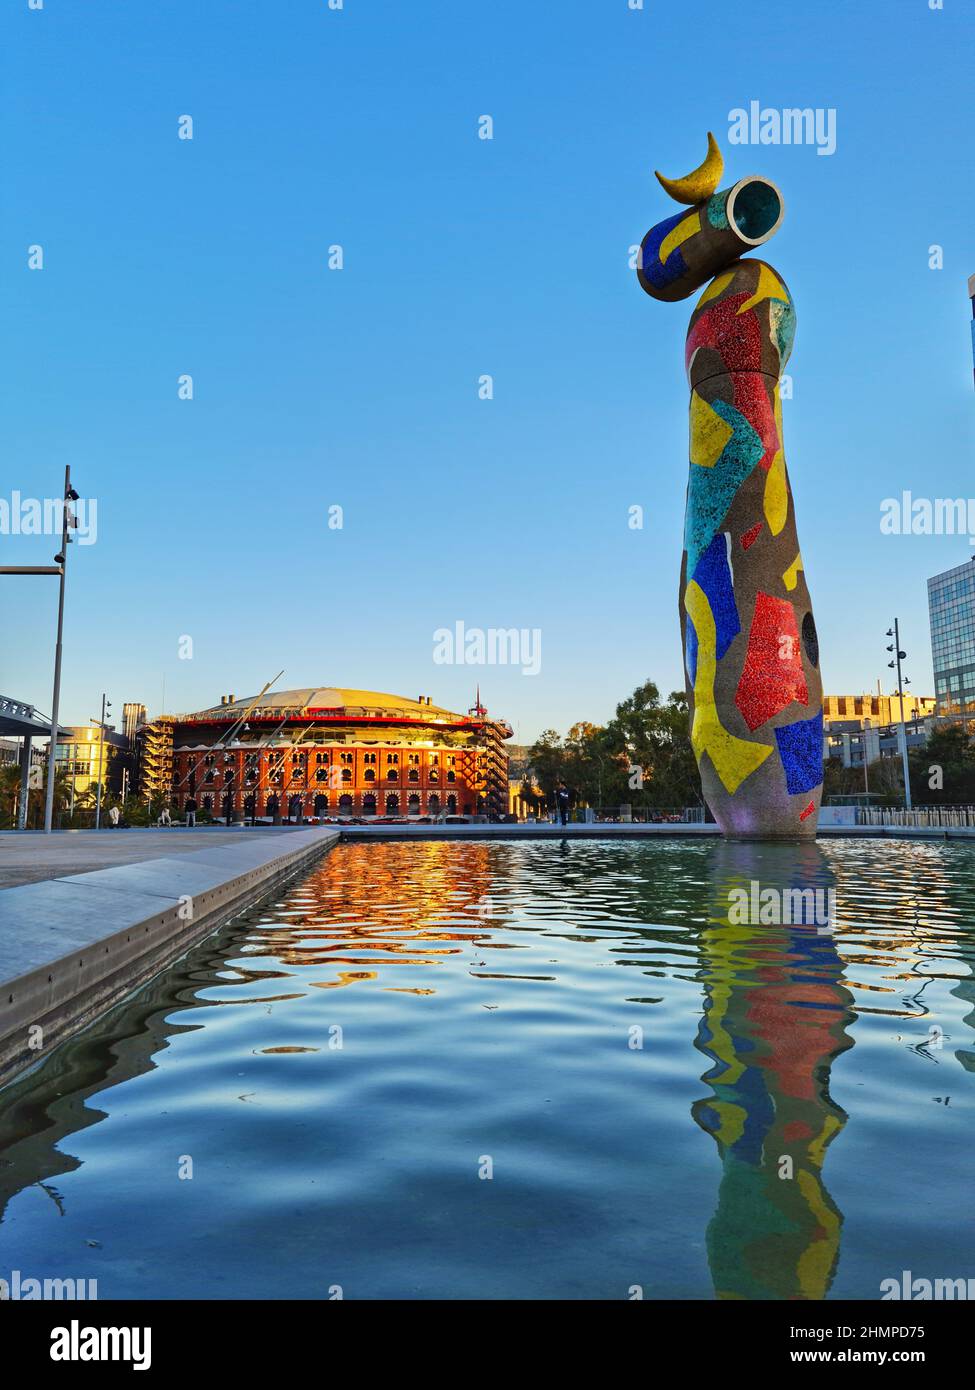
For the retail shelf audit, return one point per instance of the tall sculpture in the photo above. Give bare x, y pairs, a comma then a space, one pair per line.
750, 648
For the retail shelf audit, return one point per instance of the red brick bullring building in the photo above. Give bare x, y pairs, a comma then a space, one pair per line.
330, 753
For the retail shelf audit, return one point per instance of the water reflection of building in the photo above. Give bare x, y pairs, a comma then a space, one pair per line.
330, 752
354, 933
355, 921
775, 1017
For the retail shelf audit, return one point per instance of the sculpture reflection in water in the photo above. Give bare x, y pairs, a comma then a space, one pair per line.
775, 1018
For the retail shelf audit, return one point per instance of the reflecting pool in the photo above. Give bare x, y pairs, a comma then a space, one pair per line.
527, 1069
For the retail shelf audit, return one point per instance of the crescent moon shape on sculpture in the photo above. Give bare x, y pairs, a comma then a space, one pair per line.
697, 186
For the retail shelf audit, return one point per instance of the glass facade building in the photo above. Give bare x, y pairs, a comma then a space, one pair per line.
951, 605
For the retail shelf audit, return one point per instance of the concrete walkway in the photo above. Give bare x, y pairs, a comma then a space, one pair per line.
30, 856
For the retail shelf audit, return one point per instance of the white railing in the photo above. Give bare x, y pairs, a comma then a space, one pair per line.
935, 817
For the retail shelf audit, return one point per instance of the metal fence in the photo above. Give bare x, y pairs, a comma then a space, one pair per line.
634, 815
950, 817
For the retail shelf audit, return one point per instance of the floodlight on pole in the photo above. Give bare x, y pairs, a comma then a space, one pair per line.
899, 657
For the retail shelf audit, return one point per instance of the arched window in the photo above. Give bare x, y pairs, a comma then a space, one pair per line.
208, 803
346, 774
368, 804
392, 775
451, 776
433, 775
413, 805
434, 804
321, 803
345, 803
209, 775
321, 774
414, 774
392, 804
370, 774
452, 805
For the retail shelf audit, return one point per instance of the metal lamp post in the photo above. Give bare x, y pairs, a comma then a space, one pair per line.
67, 519
106, 705
58, 568
898, 658
866, 771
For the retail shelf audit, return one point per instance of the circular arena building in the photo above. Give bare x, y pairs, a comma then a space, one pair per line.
329, 754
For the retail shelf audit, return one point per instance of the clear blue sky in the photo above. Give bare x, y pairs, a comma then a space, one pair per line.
462, 257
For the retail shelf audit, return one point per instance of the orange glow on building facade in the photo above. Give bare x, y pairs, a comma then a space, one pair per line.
331, 752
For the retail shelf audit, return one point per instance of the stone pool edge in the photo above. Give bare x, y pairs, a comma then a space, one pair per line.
146, 904
617, 830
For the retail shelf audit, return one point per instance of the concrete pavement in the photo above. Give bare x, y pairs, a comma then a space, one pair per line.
26, 856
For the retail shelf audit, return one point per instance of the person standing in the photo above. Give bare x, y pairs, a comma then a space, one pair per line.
190, 809
562, 802
113, 816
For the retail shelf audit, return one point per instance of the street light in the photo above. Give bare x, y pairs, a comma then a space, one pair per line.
899, 656
61, 559
67, 519
106, 705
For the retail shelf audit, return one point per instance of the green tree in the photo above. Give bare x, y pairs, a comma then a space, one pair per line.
943, 772
642, 757
10, 798
547, 759
653, 742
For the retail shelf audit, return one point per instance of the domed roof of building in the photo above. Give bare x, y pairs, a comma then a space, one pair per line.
336, 698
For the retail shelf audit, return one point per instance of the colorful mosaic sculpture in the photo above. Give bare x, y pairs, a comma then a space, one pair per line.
750, 646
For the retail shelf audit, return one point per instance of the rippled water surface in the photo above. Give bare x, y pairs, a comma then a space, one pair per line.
525, 1069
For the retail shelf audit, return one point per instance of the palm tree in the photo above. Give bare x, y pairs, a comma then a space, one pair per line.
10, 797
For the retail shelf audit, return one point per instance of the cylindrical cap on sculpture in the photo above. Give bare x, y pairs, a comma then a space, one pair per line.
682, 253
